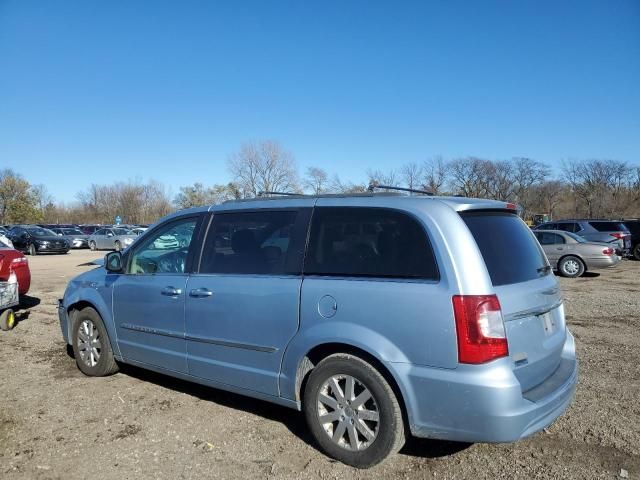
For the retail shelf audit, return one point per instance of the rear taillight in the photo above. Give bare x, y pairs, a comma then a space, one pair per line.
608, 251
619, 236
480, 329
19, 261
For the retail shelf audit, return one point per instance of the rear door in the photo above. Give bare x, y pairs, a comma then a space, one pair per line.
528, 292
242, 306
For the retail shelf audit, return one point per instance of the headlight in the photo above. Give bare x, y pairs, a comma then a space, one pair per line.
128, 240
42, 242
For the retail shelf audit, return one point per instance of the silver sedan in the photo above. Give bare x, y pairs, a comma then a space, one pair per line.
111, 238
572, 255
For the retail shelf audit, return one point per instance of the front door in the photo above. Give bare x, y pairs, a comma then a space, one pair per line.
149, 299
242, 305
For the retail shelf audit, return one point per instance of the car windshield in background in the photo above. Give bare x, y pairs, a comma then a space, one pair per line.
71, 231
122, 231
41, 232
609, 226
577, 238
510, 250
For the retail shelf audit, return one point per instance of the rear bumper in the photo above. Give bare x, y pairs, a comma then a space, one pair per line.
604, 262
485, 404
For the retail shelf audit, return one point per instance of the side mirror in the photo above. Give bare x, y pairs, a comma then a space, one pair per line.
113, 262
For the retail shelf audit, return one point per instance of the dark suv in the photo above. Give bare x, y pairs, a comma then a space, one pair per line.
634, 228
604, 231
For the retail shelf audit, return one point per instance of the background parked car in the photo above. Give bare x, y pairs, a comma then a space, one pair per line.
112, 238
572, 255
34, 240
75, 236
606, 231
4, 239
634, 228
89, 229
13, 260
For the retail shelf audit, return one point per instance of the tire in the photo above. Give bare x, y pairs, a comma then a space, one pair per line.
32, 250
92, 246
7, 319
89, 330
118, 245
636, 252
383, 438
571, 267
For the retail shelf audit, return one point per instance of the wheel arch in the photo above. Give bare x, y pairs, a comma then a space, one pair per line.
321, 351
98, 305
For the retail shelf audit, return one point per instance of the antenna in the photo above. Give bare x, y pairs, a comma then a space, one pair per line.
374, 185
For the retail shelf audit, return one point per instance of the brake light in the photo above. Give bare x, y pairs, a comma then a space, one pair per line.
479, 328
608, 251
19, 260
618, 235
511, 206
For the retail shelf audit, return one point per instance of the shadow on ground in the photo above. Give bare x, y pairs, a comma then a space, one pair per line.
292, 419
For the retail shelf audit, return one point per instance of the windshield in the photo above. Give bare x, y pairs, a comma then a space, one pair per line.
71, 231
510, 250
122, 231
40, 232
577, 238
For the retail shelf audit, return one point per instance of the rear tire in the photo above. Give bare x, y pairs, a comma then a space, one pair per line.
91, 345
356, 432
571, 267
636, 252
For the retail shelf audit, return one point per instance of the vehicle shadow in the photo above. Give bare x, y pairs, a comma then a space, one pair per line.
23, 310
293, 420
590, 275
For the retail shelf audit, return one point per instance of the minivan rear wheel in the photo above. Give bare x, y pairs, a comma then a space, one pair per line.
352, 411
571, 266
91, 346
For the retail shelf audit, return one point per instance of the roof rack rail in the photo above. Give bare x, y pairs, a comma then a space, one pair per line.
373, 186
286, 194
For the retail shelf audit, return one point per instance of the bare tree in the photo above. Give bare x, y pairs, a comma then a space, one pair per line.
338, 186
411, 175
263, 167
315, 180
435, 174
378, 177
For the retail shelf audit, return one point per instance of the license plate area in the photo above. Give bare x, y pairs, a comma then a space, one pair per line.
549, 323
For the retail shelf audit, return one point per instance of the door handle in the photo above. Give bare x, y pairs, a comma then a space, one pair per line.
201, 292
171, 291
559, 248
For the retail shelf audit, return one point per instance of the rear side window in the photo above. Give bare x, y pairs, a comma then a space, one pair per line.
548, 238
608, 226
568, 226
510, 251
368, 242
261, 242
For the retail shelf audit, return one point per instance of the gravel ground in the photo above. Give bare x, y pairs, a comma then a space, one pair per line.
56, 423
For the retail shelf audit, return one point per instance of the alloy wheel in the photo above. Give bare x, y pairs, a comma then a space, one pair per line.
348, 412
89, 344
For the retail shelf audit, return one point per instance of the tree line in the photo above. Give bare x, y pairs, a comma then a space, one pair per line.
583, 188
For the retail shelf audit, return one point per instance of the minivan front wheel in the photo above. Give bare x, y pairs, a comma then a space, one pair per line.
571, 267
91, 346
352, 411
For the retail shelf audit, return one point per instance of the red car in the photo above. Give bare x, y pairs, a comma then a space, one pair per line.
13, 260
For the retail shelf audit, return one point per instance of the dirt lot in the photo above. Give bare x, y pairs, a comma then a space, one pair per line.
57, 423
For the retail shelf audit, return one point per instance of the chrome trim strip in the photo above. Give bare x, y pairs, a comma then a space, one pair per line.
532, 312
153, 331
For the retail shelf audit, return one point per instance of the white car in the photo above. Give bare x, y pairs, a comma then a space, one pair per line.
5, 240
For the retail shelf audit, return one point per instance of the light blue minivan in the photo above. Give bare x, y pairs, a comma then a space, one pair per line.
378, 315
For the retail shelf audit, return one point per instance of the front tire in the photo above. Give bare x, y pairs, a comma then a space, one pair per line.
118, 246
7, 319
91, 346
92, 246
571, 267
33, 250
352, 411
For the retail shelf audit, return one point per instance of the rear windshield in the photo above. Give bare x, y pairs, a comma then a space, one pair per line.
609, 226
510, 250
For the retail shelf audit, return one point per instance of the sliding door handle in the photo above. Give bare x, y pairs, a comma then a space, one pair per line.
171, 291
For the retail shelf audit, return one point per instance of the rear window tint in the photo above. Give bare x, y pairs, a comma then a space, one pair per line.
368, 242
608, 226
509, 249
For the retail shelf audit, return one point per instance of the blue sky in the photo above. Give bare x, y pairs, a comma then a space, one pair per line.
100, 91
